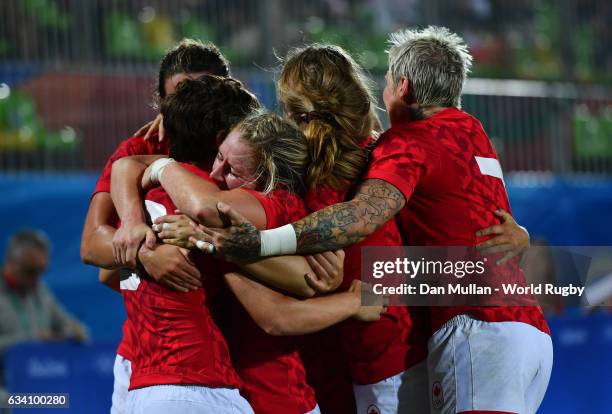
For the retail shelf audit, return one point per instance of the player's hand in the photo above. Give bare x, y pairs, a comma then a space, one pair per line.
171, 266
368, 313
177, 229
150, 128
510, 238
127, 241
239, 242
329, 271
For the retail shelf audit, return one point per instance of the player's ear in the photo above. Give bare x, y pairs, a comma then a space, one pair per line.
403, 87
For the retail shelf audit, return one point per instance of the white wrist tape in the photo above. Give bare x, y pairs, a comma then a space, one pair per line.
279, 241
157, 168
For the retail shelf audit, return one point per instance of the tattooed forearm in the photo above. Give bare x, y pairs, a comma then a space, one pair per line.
243, 238
347, 223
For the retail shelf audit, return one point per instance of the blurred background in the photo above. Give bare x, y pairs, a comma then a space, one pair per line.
78, 76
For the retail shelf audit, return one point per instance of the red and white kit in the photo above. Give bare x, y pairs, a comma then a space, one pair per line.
376, 353
135, 145
179, 357
450, 175
270, 366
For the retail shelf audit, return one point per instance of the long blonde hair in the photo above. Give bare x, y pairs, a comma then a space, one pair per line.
279, 148
323, 87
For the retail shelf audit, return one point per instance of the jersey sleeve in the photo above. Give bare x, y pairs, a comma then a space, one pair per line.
399, 161
281, 207
135, 145
104, 181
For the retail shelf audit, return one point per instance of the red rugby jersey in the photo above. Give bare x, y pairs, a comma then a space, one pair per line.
135, 145
375, 350
176, 340
132, 146
274, 377
449, 173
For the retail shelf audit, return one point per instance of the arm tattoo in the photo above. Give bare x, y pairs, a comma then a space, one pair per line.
343, 224
243, 243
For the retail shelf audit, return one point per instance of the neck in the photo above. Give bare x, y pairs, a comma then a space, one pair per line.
429, 111
413, 112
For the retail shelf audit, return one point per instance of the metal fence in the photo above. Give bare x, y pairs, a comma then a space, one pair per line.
543, 126
77, 76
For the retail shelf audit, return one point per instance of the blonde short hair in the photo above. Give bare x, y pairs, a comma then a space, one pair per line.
435, 61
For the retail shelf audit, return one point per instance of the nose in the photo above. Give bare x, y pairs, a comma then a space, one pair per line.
216, 173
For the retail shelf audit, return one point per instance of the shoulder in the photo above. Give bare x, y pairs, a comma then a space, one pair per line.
44, 294
401, 143
403, 136
455, 118
136, 145
321, 197
282, 206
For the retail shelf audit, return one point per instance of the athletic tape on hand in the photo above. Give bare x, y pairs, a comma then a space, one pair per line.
206, 247
157, 168
279, 241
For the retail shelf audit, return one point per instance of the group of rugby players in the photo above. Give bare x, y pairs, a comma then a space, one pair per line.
190, 207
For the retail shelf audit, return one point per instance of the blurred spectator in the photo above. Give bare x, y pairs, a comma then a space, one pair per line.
28, 310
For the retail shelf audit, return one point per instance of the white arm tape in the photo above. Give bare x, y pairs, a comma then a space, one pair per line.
157, 168
279, 241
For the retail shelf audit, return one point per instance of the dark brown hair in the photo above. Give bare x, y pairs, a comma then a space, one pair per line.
191, 56
199, 110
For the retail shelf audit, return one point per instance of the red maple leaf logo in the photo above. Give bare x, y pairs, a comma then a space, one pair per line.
437, 397
373, 410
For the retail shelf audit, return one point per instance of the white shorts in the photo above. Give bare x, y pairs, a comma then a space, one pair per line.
122, 371
186, 399
406, 392
315, 410
488, 366
378, 398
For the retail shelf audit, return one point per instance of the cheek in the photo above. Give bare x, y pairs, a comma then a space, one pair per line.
388, 97
233, 182
251, 185
387, 92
